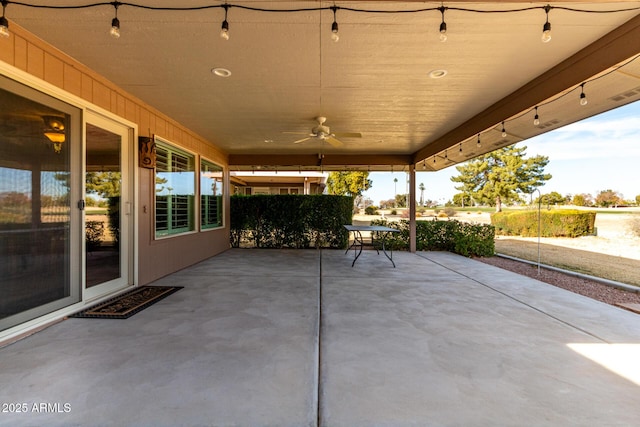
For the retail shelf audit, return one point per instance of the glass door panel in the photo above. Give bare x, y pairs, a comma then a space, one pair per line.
103, 181
38, 239
107, 210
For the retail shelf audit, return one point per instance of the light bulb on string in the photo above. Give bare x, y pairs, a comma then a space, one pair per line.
504, 131
478, 143
443, 25
583, 96
4, 22
115, 23
536, 118
224, 30
546, 28
334, 27
460, 149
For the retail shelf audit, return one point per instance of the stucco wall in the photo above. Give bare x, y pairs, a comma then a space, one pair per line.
156, 258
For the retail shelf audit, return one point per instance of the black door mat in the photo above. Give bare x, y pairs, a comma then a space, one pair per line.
126, 305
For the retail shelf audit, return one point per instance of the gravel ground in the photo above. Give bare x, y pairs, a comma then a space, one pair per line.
589, 288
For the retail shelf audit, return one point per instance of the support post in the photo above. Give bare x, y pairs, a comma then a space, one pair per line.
412, 209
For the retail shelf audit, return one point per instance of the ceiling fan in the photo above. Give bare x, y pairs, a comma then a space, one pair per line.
322, 132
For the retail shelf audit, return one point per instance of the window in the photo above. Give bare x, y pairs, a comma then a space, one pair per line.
211, 193
175, 190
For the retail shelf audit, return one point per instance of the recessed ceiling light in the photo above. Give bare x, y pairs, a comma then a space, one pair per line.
221, 72
437, 74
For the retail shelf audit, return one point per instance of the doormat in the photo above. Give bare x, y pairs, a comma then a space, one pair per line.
126, 305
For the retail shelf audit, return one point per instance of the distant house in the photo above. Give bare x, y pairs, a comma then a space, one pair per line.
271, 182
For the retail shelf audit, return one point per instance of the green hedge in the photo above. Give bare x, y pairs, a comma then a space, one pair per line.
554, 223
290, 221
454, 236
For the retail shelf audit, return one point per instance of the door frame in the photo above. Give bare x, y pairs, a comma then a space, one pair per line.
128, 229
85, 106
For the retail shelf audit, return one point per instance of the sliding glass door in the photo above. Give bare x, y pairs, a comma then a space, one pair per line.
108, 211
40, 140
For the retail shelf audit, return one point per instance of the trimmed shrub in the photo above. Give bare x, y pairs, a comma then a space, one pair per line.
290, 221
453, 236
371, 210
555, 223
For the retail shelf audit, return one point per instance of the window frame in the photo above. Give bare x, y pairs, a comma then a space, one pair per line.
192, 205
205, 227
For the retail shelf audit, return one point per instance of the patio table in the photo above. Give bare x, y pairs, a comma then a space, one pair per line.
358, 241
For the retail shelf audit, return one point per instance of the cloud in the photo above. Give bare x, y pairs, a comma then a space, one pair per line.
601, 137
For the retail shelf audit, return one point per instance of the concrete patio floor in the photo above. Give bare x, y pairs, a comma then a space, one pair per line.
300, 338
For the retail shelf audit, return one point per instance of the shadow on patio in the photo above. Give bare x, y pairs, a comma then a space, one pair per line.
300, 338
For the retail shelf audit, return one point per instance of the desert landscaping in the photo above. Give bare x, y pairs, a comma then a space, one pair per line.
612, 254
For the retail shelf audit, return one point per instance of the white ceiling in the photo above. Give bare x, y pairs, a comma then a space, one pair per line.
375, 80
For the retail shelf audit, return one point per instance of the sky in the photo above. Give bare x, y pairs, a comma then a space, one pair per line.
599, 153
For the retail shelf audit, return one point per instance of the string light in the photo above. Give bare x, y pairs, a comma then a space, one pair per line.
504, 131
478, 144
583, 97
443, 25
224, 31
445, 155
536, 118
460, 149
4, 22
546, 28
546, 37
334, 27
115, 23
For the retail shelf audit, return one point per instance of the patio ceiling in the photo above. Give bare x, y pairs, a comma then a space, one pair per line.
286, 71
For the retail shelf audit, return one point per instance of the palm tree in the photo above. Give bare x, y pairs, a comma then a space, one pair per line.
395, 192
421, 187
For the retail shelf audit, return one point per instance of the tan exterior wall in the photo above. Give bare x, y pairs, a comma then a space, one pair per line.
156, 258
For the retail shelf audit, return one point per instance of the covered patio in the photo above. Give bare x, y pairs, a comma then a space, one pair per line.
300, 338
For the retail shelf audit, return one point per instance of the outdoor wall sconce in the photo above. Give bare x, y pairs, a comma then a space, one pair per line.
54, 131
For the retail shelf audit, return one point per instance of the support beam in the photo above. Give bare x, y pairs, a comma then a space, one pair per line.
329, 161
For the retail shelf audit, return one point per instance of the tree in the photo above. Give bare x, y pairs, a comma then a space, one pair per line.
582, 200
553, 198
501, 176
104, 184
638, 200
461, 199
421, 187
395, 189
387, 204
348, 183
608, 198
401, 201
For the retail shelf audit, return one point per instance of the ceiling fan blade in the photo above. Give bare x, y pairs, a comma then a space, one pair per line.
348, 134
334, 141
296, 133
302, 140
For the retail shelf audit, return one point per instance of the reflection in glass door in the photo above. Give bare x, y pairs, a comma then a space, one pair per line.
103, 181
38, 239
106, 207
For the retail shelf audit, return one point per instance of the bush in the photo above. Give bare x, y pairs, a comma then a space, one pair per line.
443, 215
371, 210
634, 225
556, 223
290, 221
453, 236
393, 212
93, 234
450, 212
